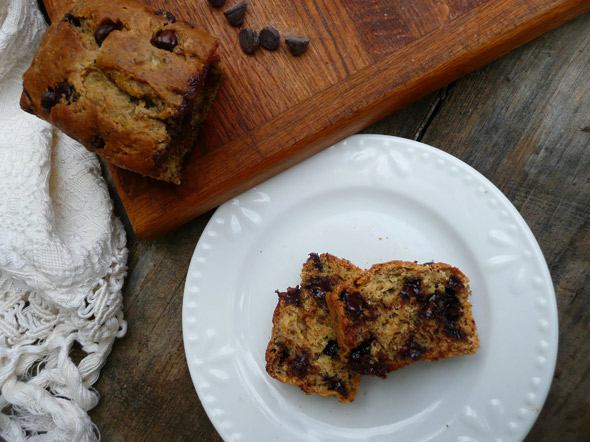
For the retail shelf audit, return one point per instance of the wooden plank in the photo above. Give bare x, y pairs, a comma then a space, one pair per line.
366, 60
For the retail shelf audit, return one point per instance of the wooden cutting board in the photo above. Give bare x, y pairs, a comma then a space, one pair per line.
366, 59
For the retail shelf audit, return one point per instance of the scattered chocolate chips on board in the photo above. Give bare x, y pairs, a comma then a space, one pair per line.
235, 13
269, 38
248, 40
297, 44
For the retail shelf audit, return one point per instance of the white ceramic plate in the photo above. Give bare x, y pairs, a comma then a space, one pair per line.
372, 199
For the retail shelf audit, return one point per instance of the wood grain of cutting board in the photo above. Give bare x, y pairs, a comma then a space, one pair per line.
366, 59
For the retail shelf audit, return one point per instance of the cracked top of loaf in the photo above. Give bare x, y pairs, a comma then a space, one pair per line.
124, 80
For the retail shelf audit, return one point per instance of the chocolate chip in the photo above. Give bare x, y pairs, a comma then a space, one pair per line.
354, 301
319, 285
331, 348
64, 89
97, 142
363, 362
248, 40
216, 3
48, 100
451, 312
317, 293
74, 21
335, 384
53, 95
291, 296
412, 350
297, 44
360, 355
235, 14
269, 38
411, 287
299, 364
317, 262
451, 309
354, 304
429, 309
284, 355
167, 15
160, 156
454, 284
166, 40
453, 331
104, 29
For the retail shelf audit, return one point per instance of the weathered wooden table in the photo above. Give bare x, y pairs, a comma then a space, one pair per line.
523, 121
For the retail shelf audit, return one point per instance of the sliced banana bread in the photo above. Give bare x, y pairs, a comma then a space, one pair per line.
399, 312
303, 349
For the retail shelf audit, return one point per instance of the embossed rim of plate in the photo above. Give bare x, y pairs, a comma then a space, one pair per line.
500, 390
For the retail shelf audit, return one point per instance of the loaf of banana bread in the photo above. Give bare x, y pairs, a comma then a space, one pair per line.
130, 83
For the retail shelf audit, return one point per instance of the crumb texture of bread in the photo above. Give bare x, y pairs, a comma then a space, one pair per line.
303, 348
128, 82
400, 312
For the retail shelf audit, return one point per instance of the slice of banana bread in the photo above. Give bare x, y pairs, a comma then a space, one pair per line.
303, 349
399, 312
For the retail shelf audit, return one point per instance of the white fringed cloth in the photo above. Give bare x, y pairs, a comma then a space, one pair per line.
62, 260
